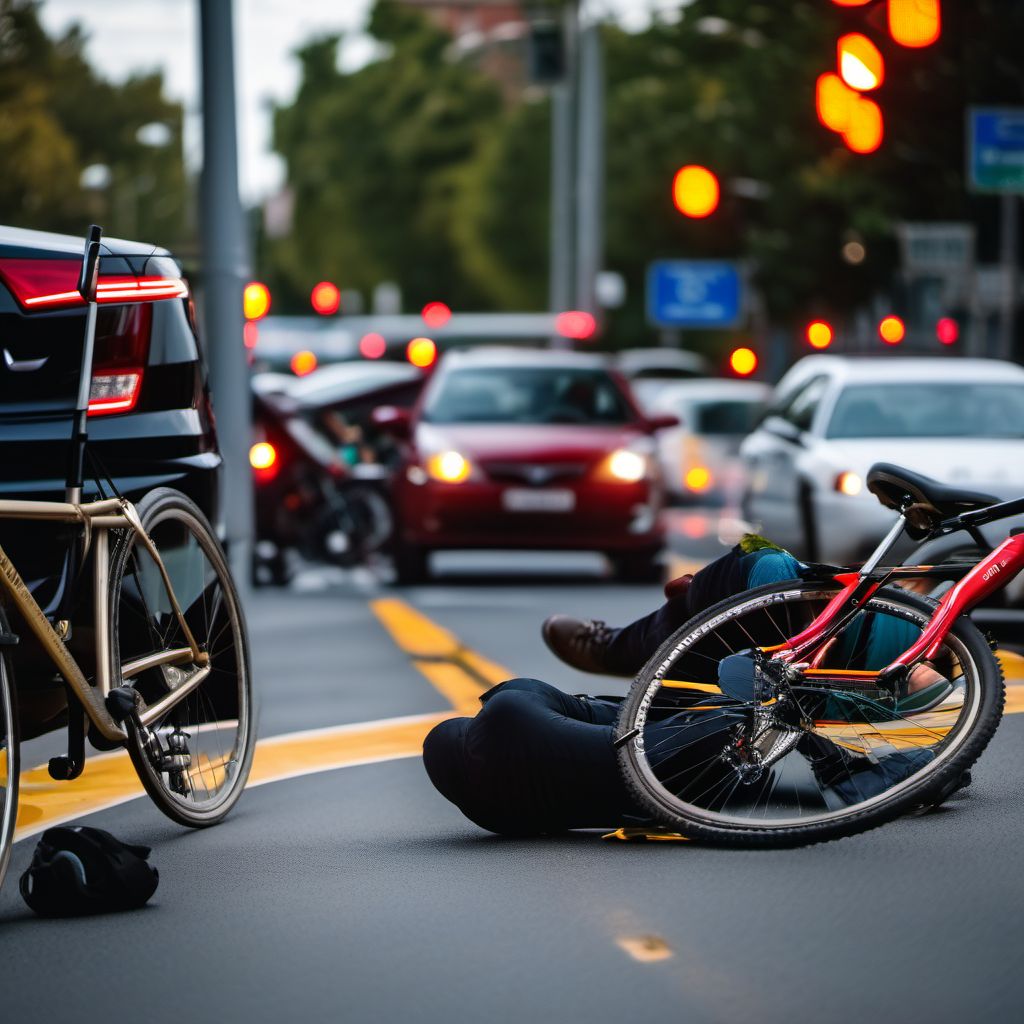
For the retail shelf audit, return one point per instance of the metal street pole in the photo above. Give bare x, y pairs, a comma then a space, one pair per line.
590, 168
225, 265
563, 175
1008, 259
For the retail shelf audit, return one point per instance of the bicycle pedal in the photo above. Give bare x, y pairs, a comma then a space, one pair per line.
122, 703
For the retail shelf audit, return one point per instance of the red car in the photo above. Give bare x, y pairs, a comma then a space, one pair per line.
526, 449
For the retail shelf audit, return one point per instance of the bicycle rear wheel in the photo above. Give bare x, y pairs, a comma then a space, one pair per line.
208, 737
829, 758
9, 761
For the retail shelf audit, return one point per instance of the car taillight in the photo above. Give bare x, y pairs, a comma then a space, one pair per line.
264, 461
119, 359
52, 284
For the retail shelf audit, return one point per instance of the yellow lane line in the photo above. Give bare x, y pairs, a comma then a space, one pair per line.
459, 674
110, 779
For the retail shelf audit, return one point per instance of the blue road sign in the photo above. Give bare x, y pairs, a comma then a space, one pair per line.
995, 159
693, 293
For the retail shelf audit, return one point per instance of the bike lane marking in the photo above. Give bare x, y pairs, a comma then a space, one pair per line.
458, 673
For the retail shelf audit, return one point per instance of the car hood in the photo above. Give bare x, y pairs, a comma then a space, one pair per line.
527, 442
992, 465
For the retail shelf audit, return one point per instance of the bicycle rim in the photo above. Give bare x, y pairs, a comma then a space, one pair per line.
9, 762
841, 755
211, 726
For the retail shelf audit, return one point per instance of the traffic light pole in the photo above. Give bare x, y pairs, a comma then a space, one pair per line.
225, 265
589, 168
563, 176
1008, 258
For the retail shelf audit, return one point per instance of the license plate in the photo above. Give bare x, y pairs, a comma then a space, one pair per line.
542, 499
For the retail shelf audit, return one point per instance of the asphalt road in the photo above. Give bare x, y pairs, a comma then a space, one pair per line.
359, 894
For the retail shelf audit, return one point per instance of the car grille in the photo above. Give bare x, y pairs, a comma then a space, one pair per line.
537, 474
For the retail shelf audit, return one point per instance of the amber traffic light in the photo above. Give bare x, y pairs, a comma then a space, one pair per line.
743, 361
695, 191
860, 64
914, 23
421, 352
819, 334
255, 300
864, 131
892, 330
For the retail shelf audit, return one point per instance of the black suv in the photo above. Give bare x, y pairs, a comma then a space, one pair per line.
150, 420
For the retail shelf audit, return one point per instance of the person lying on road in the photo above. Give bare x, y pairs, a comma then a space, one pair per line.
535, 760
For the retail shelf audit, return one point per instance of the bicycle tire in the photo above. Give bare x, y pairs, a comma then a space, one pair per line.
220, 710
9, 756
959, 747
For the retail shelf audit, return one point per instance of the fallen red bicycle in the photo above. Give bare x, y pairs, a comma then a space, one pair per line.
775, 725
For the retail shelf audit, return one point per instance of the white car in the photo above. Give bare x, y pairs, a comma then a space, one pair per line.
700, 458
960, 421
651, 370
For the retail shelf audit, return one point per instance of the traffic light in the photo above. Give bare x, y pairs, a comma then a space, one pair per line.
819, 334
325, 298
860, 67
372, 345
892, 330
436, 314
547, 53
255, 300
947, 330
914, 23
860, 64
576, 324
695, 191
421, 352
743, 361
303, 362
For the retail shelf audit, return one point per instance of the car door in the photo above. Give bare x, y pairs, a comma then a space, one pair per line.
770, 457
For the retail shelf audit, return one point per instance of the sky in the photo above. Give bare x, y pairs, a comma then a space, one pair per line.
162, 34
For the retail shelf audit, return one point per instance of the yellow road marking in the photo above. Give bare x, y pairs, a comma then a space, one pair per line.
645, 948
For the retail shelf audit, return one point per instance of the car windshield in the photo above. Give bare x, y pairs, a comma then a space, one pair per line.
516, 394
926, 409
726, 417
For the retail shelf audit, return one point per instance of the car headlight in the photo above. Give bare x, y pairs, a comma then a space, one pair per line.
849, 483
449, 467
627, 466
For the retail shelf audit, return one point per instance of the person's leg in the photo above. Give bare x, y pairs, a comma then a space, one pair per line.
534, 760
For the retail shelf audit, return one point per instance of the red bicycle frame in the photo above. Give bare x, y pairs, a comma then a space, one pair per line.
991, 573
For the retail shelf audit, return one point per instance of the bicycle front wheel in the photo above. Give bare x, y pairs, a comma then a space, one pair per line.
206, 740
9, 765
828, 755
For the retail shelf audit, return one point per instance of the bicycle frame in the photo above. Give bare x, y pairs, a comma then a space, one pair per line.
97, 519
990, 574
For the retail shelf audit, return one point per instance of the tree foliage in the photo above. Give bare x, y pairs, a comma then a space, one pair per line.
412, 169
58, 116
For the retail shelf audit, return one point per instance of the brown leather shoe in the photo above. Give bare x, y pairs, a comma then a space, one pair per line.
580, 643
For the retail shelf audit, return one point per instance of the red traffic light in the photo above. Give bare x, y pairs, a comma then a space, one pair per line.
576, 324
695, 191
819, 334
947, 330
255, 300
436, 314
743, 361
892, 330
372, 345
860, 64
325, 298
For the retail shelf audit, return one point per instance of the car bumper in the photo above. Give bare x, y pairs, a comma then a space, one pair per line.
620, 517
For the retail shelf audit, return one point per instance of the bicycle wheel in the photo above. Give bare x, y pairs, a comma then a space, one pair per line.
9, 762
197, 772
820, 758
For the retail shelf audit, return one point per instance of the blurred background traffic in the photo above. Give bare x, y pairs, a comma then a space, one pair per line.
551, 276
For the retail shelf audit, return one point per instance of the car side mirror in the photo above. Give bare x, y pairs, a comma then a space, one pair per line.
783, 428
393, 421
663, 422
